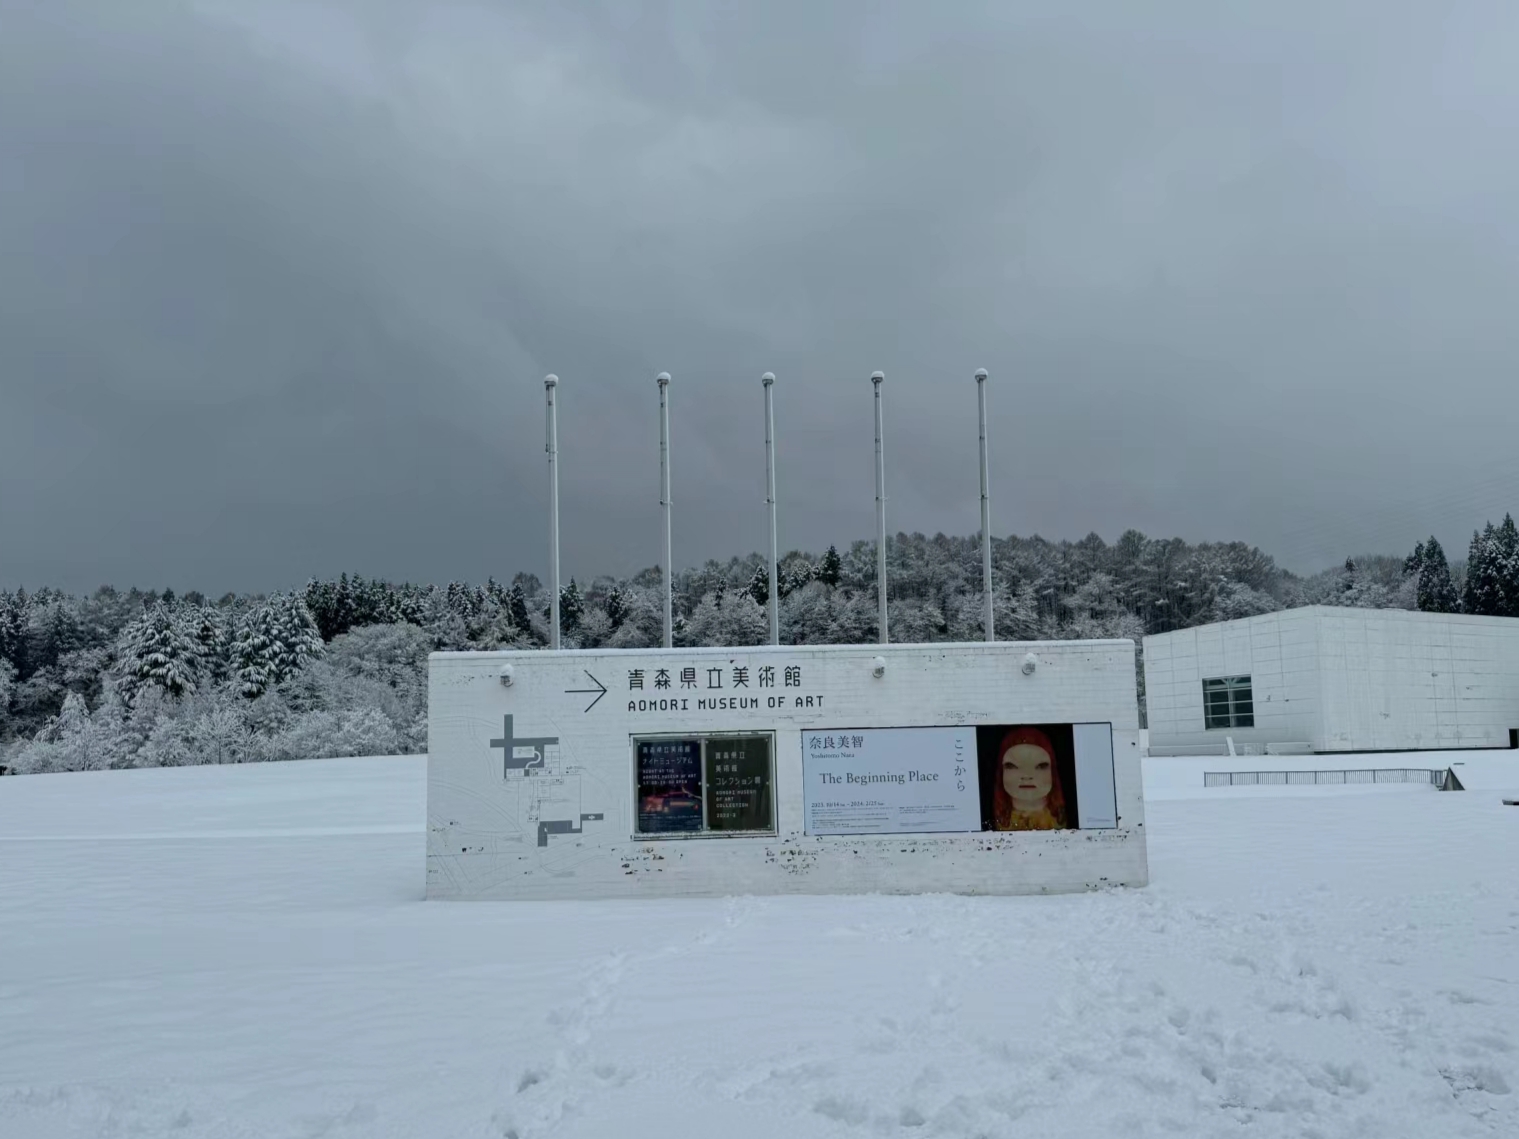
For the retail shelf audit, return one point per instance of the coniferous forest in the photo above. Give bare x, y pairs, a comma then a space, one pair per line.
144, 678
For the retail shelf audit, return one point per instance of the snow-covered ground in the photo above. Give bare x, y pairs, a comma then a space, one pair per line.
243, 951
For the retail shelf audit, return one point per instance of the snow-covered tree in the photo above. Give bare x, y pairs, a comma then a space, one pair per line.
1236, 599
274, 641
72, 720
7, 683
854, 622
1414, 562
168, 745
1359, 590
917, 621
1506, 565
732, 620
806, 615
517, 606
1367, 595
115, 740
759, 586
1435, 591
571, 607
792, 574
1348, 579
642, 624
53, 631
13, 626
84, 670
1483, 594
616, 606
219, 735
593, 629
297, 637
446, 624
831, 568
391, 655
375, 666
1016, 613
159, 649
208, 627
323, 734
206, 730
254, 649
64, 743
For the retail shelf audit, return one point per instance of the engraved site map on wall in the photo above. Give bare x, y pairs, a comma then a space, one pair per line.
550, 790
534, 807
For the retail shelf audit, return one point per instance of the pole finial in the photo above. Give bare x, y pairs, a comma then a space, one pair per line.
662, 379
767, 379
980, 375
877, 377
551, 381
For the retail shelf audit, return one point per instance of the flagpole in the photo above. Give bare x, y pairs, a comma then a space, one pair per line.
986, 517
768, 379
550, 383
876, 379
664, 501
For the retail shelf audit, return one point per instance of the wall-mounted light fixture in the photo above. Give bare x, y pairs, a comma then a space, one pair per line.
507, 672
1030, 663
878, 667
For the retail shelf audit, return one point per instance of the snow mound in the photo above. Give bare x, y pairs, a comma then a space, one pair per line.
217, 952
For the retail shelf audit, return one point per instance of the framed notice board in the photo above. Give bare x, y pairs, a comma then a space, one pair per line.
704, 785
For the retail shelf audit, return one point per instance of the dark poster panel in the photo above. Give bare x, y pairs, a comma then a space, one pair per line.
1028, 777
739, 795
669, 786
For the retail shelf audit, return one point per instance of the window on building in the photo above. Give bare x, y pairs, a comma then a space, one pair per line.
704, 785
1227, 703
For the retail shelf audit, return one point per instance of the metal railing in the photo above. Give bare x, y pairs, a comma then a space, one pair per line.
1310, 778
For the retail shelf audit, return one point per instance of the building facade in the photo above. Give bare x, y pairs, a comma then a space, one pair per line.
1328, 679
984, 768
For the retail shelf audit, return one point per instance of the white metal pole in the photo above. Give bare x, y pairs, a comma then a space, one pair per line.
986, 517
768, 379
551, 382
876, 379
664, 501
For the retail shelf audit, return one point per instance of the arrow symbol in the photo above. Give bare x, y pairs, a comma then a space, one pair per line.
600, 690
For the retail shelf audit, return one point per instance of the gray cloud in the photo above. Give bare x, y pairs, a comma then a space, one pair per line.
279, 282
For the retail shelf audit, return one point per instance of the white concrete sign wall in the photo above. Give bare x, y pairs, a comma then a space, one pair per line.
670, 772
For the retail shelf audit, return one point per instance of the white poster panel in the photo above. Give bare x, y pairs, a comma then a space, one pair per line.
1096, 795
890, 780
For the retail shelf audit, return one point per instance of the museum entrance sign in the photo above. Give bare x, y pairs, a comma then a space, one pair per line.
761, 770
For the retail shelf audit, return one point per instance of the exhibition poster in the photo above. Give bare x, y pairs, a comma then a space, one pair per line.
739, 795
669, 786
1030, 772
890, 780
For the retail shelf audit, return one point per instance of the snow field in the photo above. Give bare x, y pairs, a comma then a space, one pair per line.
243, 951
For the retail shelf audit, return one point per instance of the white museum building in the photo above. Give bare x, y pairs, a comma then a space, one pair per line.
1330, 679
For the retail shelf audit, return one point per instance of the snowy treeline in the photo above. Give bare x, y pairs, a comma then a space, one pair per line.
146, 679
141, 680
1492, 572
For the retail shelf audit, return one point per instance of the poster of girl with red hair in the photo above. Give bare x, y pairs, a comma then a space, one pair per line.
1027, 777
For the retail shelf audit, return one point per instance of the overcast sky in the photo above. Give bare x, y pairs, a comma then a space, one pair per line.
279, 282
